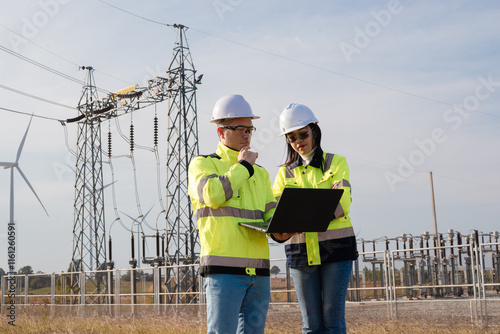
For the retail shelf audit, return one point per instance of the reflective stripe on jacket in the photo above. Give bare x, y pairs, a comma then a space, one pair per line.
223, 193
338, 243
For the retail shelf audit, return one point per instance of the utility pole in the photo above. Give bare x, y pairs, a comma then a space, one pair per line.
436, 234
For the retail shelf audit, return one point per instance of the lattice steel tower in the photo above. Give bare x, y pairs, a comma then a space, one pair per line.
178, 86
89, 246
182, 246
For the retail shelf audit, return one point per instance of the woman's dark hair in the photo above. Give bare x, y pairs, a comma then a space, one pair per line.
291, 155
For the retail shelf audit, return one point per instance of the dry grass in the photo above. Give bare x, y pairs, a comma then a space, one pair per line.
104, 324
276, 323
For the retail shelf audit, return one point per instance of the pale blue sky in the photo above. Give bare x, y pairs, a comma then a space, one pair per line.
382, 77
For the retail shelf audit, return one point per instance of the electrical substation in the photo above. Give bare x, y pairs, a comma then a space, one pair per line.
425, 266
179, 242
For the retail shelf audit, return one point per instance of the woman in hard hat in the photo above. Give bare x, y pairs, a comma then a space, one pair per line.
320, 263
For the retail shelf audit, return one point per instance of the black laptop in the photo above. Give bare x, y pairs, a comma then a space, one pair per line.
301, 210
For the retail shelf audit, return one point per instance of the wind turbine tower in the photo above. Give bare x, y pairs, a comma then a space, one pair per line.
11, 228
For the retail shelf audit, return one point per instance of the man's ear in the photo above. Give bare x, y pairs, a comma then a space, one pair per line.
220, 132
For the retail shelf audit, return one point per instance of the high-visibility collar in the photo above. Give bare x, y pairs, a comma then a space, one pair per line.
227, 153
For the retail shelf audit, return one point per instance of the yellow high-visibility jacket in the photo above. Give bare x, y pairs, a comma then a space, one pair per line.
336, 244
223, 193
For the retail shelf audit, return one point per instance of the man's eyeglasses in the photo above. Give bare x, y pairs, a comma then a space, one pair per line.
241, 129
303, 135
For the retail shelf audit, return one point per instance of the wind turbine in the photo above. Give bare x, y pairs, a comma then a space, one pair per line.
12, 165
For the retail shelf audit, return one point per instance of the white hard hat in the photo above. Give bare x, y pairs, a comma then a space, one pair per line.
295, 117
232, 106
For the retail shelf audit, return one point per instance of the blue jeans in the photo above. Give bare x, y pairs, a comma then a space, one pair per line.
321, 291
237, 303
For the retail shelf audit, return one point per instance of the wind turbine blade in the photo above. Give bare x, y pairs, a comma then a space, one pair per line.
19, 150
144, 217
71, 168
33, 190
7, 164
90, 192
108, 185
133, 219
89, 189
93, 192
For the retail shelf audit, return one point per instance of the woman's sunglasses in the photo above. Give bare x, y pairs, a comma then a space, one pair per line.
303, 135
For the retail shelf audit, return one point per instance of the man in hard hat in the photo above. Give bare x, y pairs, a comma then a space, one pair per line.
226, 188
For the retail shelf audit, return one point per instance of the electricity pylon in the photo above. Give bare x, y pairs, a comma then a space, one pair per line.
179, 87
182, 246
89, 246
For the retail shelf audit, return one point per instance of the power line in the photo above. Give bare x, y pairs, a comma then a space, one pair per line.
338, 73
227, 40
320, 68
301, 62
41, 47
113, 77
36, 97
468, 182
30, 114
20, 56
59, 56
348, 156
419, 171
133, 14
47, 68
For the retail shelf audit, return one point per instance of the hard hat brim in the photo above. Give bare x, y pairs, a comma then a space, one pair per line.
297, 128
231, 117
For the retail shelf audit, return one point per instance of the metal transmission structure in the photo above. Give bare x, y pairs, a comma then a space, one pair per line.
89, 247
182, 235
178, 86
